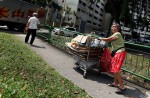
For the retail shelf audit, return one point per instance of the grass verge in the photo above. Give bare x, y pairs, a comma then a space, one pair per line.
23, 74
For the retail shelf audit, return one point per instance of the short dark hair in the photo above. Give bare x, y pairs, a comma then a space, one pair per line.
119, 27
115, 23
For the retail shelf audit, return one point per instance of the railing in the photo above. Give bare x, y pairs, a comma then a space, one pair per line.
55, 40
143, 48
137, 63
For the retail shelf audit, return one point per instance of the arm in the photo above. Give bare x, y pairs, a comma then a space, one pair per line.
38, 25
109, 39
27, 25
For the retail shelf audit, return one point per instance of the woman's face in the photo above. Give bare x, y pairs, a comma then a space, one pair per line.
114, 28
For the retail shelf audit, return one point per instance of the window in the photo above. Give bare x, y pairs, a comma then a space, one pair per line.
96, 12
79, 9
102, 10
101, 14
90, 15
102, 4
100, 19
94, 23
95, 17
97, 6
84, 4
88, 21
99, 25
71, 29
90, 8
80, 1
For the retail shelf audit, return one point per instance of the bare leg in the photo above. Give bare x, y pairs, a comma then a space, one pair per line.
115, 83
115, 79
118, 77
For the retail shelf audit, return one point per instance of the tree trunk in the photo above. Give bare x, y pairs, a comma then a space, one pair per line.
109, 30
48, 15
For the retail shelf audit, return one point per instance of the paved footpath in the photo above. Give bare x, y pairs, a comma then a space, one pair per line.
95, 85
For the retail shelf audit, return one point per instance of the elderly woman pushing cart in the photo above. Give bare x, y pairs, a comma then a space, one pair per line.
117, 57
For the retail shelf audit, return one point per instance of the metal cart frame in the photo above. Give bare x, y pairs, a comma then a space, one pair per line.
86, 57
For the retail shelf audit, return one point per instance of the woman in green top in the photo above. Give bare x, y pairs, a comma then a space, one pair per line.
117, 43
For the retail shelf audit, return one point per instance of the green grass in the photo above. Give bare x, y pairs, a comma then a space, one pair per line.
23, 74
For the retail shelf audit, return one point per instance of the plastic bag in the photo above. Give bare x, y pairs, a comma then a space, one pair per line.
103, 44
25, 29
95, 43
105, 61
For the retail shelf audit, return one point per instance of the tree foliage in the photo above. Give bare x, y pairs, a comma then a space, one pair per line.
132, 13
118, 9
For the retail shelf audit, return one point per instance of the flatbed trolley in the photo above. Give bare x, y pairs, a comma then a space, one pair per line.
86, 57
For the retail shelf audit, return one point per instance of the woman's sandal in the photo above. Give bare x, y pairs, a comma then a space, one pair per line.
120, 91
112, 85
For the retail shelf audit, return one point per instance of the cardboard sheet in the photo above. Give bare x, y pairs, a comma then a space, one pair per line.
81, 38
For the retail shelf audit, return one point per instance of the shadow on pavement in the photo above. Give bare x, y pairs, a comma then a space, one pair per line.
105, 78
38, 46
2, 29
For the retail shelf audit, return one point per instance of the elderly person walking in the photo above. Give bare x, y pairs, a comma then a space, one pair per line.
118, 56
33, 25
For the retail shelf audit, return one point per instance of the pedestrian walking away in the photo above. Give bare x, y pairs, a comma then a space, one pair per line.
117, 57
33, 25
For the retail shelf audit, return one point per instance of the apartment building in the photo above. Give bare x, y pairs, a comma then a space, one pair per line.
82, 14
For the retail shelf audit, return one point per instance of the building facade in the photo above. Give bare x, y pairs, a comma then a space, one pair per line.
90, 16
82, 14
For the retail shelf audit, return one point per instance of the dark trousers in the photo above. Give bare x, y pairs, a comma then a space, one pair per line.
33, 33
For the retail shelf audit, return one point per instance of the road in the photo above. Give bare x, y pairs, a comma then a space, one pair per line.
94, 85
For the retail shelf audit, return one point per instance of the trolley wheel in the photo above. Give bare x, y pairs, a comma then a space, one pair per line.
76, 63
85, 75
99, 73
77, 67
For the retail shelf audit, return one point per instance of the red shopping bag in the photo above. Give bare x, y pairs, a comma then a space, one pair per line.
105, 61
25, 29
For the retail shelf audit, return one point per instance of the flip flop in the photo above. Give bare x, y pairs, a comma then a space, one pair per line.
112, 85
120, 91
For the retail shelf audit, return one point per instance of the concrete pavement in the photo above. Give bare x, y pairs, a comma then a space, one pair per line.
94, 85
